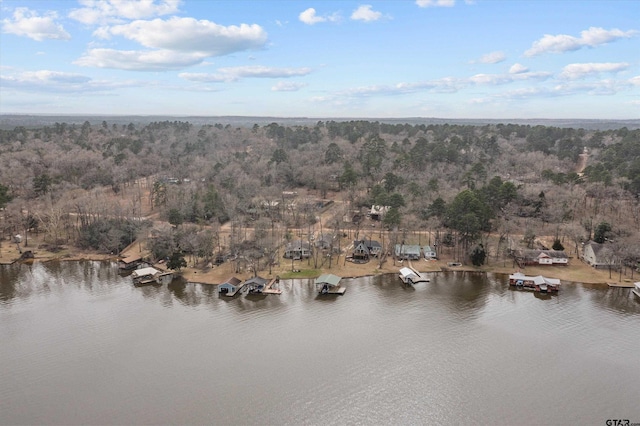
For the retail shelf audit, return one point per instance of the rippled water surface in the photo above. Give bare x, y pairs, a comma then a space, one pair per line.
80, 345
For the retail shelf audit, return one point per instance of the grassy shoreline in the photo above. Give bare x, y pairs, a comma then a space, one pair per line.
576, 272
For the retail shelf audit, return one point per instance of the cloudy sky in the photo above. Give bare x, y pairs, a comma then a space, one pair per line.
318, 58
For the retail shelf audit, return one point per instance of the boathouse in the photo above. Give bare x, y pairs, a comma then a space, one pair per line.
151, 275
537, 283
329, 284
230, 286
255, 284
410, 276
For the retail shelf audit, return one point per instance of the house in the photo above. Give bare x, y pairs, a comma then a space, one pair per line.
297, 250
542, 257
407, 251
231, 285
597, 255
130, 262
378, 212
429, 253
324, 241
364, 249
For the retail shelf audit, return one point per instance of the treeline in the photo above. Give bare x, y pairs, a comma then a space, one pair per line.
467, 179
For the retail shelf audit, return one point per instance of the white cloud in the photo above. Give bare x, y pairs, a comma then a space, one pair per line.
592, 37
365, 13
605, 87
58, 82
495, 79
254, 71
517, 69
287, 86
576, 71
137, 60
190, 35
310, 17
435, 3
635, 81
105, 11
29, 24
491, 58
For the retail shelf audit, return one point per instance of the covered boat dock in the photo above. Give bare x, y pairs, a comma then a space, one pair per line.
329, 284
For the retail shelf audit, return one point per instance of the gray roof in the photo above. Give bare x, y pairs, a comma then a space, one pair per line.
332, 280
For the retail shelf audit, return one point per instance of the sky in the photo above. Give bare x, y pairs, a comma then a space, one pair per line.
492, 59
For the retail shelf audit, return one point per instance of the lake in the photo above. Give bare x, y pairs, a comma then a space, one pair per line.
81, 345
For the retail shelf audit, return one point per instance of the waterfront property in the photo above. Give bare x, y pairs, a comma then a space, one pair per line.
410, 276
598, 255
429, 253
151, 275
541, 257
230, 287
255, 284
407, 251
130, 262
329, 284
537, 283
364, 249
297, 250
259, 285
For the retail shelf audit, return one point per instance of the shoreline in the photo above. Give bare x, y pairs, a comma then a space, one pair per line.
576, 272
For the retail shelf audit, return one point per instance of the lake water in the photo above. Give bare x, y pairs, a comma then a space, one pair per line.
80, 345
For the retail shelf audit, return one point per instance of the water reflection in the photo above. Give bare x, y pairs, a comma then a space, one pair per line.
448, 351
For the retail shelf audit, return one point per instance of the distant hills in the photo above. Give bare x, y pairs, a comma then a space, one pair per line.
10, 121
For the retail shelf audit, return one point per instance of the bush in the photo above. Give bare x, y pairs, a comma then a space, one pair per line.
557, 245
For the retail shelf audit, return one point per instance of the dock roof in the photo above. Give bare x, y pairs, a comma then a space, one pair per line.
144, 272
332, 280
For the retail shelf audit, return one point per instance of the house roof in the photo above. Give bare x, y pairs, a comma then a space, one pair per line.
369, 243
332, 280
408, 249
297, 245
132, 258
375, 209
596, 247
534, 254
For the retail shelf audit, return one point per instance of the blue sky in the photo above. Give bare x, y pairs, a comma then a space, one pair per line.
369, 59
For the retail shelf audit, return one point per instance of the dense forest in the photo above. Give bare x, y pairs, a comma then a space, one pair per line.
101, 186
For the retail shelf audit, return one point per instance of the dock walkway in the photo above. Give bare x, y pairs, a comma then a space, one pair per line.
268, 289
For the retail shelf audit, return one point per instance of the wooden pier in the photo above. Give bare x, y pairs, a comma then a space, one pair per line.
410, 275
621, 284
269, 287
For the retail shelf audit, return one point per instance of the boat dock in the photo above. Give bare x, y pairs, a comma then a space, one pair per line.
268, 289
410, 275
621, 284
329, 284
